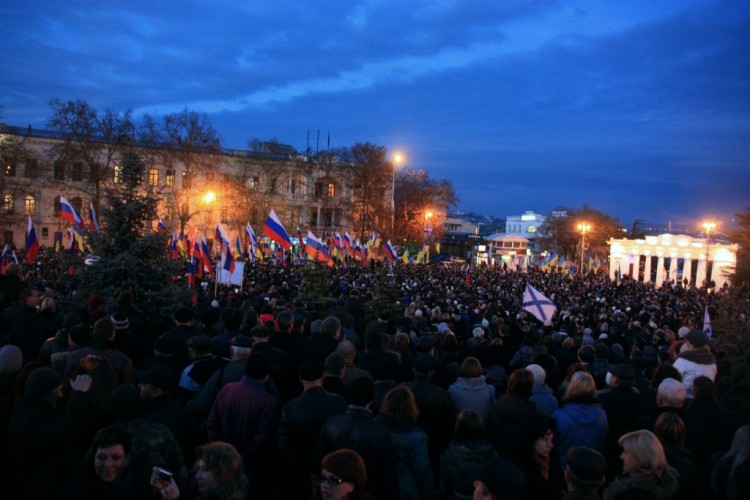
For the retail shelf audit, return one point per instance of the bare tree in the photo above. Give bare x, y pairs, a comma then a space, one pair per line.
415, 196
188, 140
92, 143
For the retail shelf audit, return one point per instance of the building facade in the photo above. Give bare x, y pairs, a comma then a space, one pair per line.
525, 225
667, 257
234, 187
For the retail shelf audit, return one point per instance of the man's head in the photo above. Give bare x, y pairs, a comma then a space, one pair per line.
331, 326
586, 469
311, 374
44, 384
260, 333
361, 392
198, 346
257, 367
157, 382
347, 351
285, 321
240, 347
539, 374
621, 374
183, 316
335, 365
30, 297
104, 329
671, 394
111, 452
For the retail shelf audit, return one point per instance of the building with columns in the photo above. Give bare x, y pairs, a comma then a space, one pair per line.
672, 257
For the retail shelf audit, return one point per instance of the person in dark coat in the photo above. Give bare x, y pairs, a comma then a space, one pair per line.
539, 463
102, 345
174, 340
670, 430
319, 345
718, 424
437, 416
623, 404
399, 415
246, 416
467, 454
156, 390
585, 473
25, 329
11, 285
508, 413
40, 440
301, 421
730, 472
359, 431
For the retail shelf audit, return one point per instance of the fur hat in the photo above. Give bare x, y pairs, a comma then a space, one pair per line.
697, 338
42, 381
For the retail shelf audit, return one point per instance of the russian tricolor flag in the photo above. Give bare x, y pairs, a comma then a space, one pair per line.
389, 251
227, 261
93, 220
160, 227
274, 230
32, 243
317, 250
67, 212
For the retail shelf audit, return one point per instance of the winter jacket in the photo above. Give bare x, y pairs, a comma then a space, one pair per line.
642, 484
542, 397
474, 394
695, 363
461, 465
579, 424
414, 473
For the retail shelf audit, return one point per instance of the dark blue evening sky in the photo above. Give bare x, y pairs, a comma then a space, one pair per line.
638, 108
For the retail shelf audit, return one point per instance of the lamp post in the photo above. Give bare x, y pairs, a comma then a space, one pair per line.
708, 226
398, 159
583, 227
427, 216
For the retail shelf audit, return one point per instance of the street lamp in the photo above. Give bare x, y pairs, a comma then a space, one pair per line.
427, 216
708, 226
398, 159
583, 227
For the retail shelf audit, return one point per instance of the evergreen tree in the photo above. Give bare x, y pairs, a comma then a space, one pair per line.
131, 256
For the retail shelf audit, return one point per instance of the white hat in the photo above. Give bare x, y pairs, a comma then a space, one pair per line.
683, 331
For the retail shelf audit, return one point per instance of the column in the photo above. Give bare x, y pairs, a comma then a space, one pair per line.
700, 272
687, 269
660, 271
636, 267
647, 269
673, 266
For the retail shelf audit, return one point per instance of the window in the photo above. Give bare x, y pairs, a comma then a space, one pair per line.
255, 182
168, 211
76, 171
32, 166
58, 170
56, 206
292, 185
153, 177
8, 237
45, 232
210, 178
272, 186
10, 169
8, 204
531, 229
77, 203
331, 189
169, 180
118, 174
186, 179
29, 205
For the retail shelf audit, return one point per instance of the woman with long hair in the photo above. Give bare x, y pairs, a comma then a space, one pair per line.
645, 472
670, 429
218, 474
399, 413
581, 421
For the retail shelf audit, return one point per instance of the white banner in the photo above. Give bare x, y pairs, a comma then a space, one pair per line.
235, 278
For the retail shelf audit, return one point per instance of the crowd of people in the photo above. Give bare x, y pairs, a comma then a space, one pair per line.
413, 382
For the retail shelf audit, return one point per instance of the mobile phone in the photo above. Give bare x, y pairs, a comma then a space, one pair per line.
164, 475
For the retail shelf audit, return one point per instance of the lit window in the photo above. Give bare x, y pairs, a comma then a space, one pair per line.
118, 174
531, 229
29, 205
8, 204
331, 189
168, 212
255, 182
153, 177
10, 169
170, 178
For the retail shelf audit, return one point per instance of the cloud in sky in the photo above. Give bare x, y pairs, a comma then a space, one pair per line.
636, 108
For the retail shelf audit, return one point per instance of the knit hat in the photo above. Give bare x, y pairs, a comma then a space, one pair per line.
42, 381
10, 359
310, 371
683, 331
120, 320
697, 338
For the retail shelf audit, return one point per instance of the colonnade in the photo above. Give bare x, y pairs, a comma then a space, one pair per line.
676, 258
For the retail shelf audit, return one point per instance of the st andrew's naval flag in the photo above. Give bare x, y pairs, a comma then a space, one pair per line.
537, 304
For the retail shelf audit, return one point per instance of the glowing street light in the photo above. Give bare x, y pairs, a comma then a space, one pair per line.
583, 227
708, 226
209, 197
398, 159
